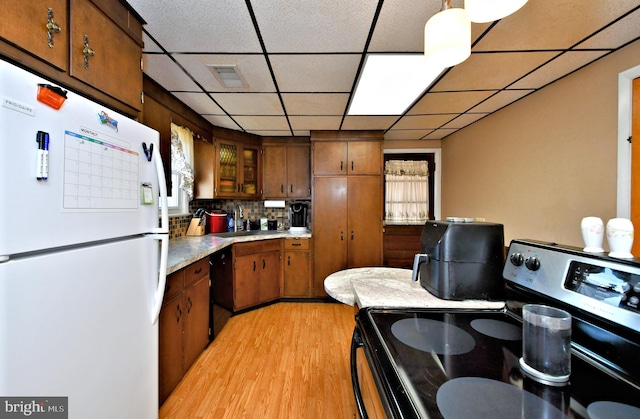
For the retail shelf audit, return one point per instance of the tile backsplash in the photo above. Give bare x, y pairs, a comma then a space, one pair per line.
253, 210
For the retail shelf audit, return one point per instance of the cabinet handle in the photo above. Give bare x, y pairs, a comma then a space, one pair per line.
351, 234
352, 165
254, 266
289, 260
282, 187
189, 305
178, 313
296, 244
341, 165
264, 263
52, 27
87, 52
292, 188
198, 271
341, 235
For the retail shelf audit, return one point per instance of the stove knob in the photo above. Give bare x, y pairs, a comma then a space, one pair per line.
532, 263
517, 259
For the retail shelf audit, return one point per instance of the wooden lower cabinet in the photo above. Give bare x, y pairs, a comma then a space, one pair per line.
184, 323
297, 267
401, 243
256, 274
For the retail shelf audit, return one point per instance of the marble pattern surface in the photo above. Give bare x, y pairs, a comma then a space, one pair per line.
186, 250
390, 287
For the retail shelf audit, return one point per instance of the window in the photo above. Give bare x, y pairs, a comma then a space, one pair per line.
181, 170
409, 188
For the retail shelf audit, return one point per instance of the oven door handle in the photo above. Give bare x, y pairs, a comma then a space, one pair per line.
356, 342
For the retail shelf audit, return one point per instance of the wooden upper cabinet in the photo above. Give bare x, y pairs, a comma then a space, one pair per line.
237, 170
286, 171
24, 24
203, 162
347, 157
103, 54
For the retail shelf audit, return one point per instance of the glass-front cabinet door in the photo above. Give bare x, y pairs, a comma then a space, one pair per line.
237, 170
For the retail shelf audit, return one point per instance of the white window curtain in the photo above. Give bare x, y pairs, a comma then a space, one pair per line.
182, 157
407, 191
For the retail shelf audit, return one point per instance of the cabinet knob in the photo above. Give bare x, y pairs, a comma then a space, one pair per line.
87, 52
52, 27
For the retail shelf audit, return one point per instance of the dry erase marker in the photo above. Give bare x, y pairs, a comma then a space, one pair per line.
45, 157
40, 159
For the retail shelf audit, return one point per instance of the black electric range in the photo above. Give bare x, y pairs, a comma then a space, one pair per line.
460, 363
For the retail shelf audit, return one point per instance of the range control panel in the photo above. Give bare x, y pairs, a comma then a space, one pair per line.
593, 282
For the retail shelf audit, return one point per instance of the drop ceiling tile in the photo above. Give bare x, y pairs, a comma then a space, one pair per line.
464, 120
254, 122
253, 68
273, 133
314, 26
199, 102
491, 71
315, 73
249, 103
552, 25
616, 35
356, 122
400, 26
165, 72
450, 102
500, 100
149, 45
315, 103
222, 121
564, 64
424, 121
439, 134
405, 134
199, 25
315, 122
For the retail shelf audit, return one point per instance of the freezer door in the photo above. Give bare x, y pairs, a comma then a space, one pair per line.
102, 177
79, 324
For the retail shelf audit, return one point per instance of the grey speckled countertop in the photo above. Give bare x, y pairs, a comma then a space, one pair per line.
389, 287
186, 250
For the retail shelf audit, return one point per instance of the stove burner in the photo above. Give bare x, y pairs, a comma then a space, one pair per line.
433, 336
497, 329
606, 410
491, 399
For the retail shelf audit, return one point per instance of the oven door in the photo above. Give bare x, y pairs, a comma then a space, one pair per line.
365, 389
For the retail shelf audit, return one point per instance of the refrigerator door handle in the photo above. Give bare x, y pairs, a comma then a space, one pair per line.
162, 185
162, 274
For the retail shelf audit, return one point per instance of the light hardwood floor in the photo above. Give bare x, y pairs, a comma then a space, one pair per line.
286, 360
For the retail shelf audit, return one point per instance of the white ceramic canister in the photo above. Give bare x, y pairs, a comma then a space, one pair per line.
620, 237
592, 234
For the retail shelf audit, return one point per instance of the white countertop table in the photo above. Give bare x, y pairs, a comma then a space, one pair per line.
390, 287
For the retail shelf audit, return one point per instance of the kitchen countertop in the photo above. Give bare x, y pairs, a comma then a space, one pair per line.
390, 287
186, 250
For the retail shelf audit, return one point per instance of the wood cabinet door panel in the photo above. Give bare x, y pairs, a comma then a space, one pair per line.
298, 172
204, 163
24, 24
115, 66
329, 158
365, 158
170, 345
329, 229
196, 322
296, 274
274, 179
269, 287
365, 221
246, 282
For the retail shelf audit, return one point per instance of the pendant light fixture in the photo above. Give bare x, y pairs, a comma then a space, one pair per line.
447, 36
482, 11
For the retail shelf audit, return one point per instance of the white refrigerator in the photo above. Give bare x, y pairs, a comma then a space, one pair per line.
83, 251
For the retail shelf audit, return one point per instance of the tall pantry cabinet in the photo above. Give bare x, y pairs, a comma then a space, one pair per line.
347, 202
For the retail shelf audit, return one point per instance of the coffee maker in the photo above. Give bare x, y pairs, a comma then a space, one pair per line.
298, 217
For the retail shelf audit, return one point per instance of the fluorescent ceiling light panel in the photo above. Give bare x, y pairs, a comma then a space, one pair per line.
390, 83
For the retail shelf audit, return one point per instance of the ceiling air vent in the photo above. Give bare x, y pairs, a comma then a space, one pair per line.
228, 76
